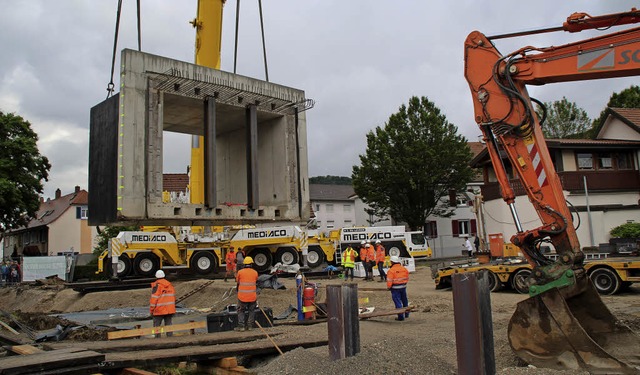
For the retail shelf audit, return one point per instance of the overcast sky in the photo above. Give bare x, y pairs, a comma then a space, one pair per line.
358, 59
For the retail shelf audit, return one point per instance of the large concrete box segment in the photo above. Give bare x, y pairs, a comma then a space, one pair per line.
159, 95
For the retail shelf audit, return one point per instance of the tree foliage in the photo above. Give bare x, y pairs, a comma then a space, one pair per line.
330, 180
564, 119
22, 171
627, 230
627, 98
412, 163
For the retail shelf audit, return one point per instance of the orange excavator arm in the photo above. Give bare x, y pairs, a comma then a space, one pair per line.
564, 324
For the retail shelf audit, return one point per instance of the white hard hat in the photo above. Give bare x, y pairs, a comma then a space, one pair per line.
159, 274
368, 241
394, 259
362, 243
378, 241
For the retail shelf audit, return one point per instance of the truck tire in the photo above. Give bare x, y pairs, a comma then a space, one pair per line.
315, 256
396, 249
519, 280
146, 264
287, 256
605, 280
494, 282
262, 259
124, 266
203, 263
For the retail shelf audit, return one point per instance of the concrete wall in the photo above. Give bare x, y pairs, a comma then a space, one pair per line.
162, 95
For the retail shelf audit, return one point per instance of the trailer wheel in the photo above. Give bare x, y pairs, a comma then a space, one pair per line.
605, 280
146, 264
494, 282
122, 269
203, 262
520, 281
261, 259
287, 256
315, 256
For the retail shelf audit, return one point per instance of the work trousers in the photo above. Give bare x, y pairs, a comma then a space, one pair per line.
383, 275
244, 309
347, 271
157, 322
399, 297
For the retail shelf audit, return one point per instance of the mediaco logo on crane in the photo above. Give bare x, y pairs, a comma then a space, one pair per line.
268, 233
149, 238
359, 234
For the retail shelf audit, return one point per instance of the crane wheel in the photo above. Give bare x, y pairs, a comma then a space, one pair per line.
146, 264
287, 255
123, 267
203, 262
262, 259
315, 256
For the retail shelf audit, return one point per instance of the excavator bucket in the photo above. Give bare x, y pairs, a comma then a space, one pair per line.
571, 328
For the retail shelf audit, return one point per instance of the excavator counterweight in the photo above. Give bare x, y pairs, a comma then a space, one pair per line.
564, 324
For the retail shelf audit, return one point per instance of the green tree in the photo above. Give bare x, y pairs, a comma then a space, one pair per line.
22, 171
627, 230
627, 98
564, 119
330, 180
412, 163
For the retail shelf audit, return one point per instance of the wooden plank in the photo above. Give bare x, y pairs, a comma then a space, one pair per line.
143, 358
47, 361
154, 330
215, 338
136, 371
13, 340
300, 322
5, 325
227, 362
384, 313
24, 349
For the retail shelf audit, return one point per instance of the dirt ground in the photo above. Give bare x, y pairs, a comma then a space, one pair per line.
423, 344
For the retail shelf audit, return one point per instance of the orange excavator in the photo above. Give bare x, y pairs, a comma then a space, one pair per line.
564, 324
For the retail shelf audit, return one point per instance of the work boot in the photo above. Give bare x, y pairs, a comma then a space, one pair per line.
225, 279
239, 329
249, 328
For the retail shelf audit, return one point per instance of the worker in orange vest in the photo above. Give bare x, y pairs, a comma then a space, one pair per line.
230, 261
380, 256
397, 279
162, 303
247, 279
363, 258
371, 260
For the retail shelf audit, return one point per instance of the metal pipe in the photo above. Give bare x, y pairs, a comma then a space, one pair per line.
516, 219
586, 194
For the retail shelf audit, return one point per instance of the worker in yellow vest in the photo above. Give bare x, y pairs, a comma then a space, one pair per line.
348, 262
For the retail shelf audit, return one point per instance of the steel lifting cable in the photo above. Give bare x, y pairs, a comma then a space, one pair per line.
264, 45
111, 86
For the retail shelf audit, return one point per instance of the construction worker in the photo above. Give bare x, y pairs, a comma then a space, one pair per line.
380, 257
348, 262
230, 261
162, 304
371, 260
247, 279
363, 259
240, 259
397, 279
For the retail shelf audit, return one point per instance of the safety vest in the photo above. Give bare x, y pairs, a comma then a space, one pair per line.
163, 298
363, 253
247, 289
397, 277
380, 253
371, 254
349, 258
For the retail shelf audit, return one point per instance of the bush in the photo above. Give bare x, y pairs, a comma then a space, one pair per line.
628, 230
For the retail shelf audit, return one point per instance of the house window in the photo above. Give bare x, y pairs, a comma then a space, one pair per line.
431, 229
462, 200
330, 224
317, 207
319, 223
347, 223
346, 208
329, 207
623, 160
84, 213
605, 161
585, 161
463, 228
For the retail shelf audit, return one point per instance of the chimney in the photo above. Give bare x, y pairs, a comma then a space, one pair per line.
77, 189
41, 199
58, 193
